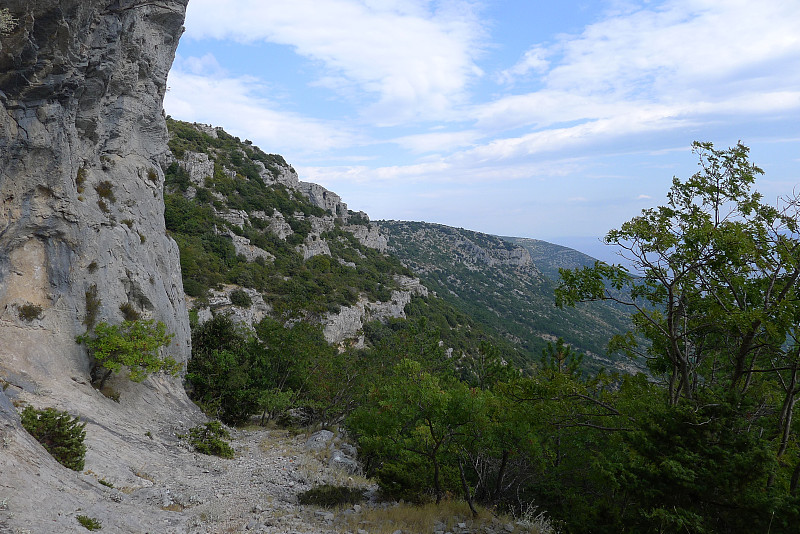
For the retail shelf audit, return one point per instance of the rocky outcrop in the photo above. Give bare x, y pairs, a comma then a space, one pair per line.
370, 236
199, 167
219, 301
82, 139
322, 198
243, 247
348, 323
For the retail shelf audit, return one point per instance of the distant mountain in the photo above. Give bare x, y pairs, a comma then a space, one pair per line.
507, 284
549, 257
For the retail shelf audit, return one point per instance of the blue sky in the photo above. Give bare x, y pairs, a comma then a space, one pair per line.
551, 120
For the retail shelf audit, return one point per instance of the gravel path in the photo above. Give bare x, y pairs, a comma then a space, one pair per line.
254, 492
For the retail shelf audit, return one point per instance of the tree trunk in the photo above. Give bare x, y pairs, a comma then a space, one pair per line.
465, 487
501, 473
436, 486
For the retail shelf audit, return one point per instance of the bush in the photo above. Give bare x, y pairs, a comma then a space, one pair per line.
330, 496
59, 433
133, 344
89, 523
210, 439
239, 297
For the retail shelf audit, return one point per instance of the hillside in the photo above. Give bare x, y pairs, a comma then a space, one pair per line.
506, 284
256, 242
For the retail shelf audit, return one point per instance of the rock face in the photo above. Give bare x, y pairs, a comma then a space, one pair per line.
82, 136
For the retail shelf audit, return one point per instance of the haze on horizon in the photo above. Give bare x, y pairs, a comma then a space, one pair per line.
531, 119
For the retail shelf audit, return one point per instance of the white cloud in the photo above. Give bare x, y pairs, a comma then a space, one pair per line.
686, 58
413, 59
237, 105
534, 60
438, 141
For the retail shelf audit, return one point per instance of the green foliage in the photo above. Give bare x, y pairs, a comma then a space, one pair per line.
292, 286
240, 298
209, 438
80, 179
29, 312
712, 448
330, 496
59, 433
220, 371
412, 424
89, 523
132, 344
235, 373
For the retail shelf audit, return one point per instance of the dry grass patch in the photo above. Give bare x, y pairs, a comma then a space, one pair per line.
447, 516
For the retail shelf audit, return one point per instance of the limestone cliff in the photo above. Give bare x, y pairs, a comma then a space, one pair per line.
81, 140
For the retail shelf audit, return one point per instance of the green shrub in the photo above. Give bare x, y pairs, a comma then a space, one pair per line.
210, 439
89, 523
330, 496
132, 344
239, 297
59, 433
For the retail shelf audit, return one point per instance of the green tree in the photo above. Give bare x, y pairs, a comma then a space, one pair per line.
60, 433
714, 302
132, 344
717, 278
221, 371
411, 426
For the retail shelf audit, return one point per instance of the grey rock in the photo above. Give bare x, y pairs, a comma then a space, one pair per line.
319, 440
322, 198
342, 461
250, 252
82, 142
369, 236
199, 167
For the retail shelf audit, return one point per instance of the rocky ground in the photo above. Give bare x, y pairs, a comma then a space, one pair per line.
257, 490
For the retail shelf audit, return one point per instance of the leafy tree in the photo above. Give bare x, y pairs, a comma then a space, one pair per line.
719, 272
60, 433
412, 425
715, 297
220, 373
132, 344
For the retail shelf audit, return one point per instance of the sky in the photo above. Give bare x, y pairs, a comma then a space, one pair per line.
556, 120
